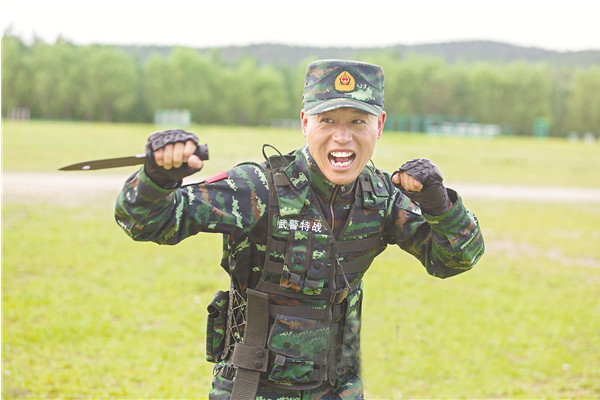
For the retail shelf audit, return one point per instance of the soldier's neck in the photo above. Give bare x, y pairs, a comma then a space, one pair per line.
322, 186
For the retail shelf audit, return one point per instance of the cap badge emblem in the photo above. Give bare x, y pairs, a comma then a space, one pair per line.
345, 82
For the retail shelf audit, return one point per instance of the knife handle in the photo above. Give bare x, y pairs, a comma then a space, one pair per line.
202, 151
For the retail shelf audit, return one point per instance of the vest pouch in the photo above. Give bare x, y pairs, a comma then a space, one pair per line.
317, 271
375, 193
216, 326
300, 345
290, 373
305, 266
296, 261
315, 277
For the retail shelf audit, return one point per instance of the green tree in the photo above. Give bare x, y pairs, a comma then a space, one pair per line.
293, 87
584, 101
158, 92
255, 95
271, 100
461, 100
17, 85
558, 98
527, 93
109, 85
414, 84
56, 79
190, 77
62, 80
486, 89
395, 98
513, 95
185, 80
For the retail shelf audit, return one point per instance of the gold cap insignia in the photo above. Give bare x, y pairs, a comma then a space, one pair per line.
344, 82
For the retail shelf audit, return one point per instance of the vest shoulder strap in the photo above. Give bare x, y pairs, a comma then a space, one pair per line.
251, 356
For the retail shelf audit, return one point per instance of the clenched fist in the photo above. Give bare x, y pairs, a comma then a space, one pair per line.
421, 180
172, 155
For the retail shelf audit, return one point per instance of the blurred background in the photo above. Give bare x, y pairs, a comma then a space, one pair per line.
504, 96
521, 68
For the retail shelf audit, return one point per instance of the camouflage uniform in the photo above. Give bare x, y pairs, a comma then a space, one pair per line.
290, 233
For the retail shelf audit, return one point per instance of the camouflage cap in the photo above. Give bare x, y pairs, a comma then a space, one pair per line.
331, 84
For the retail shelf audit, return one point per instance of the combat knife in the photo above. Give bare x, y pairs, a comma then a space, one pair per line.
201, 151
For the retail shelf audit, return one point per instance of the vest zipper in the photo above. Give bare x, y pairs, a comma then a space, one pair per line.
333, 376
336, 190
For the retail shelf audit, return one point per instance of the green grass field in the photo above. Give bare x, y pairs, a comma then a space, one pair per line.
47, 146
88, 313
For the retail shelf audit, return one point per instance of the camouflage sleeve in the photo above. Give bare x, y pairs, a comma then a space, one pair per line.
231, 205
446, 245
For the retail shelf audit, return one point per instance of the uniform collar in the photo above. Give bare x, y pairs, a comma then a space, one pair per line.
322, 186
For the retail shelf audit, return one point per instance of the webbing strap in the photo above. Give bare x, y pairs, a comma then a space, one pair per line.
275, 288
366, 184
255, 336
279, 246
358, 244
355, 267
334, 296
352, 267
300, 312
281, 179
273, 206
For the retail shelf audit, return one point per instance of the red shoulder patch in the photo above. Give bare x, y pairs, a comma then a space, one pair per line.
217, 177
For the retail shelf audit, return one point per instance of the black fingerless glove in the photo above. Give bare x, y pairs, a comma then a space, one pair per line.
168, 178
433, 198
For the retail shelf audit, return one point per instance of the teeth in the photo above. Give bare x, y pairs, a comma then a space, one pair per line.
341, 153
341, 164
346, 156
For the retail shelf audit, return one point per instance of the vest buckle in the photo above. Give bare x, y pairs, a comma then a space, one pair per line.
225, 370
340, 295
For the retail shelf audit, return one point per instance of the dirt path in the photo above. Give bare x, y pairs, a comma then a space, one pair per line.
78, 188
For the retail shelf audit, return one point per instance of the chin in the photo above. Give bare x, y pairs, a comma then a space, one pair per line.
341, 179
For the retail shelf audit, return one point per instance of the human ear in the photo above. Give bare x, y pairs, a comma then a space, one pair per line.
380, 124
304, 120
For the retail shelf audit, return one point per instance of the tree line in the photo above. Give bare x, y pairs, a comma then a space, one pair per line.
104, 83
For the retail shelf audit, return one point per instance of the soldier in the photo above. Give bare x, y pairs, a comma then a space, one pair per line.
299, 232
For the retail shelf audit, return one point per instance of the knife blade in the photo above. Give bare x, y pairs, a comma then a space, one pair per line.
106, 163
138, 159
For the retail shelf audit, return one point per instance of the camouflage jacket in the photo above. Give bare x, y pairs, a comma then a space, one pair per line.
235, 204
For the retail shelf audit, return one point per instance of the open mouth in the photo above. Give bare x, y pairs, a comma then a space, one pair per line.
341, 159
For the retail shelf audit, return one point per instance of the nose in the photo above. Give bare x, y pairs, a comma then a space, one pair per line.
342, 134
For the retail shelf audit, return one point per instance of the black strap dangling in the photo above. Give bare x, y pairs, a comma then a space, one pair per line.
265, 154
